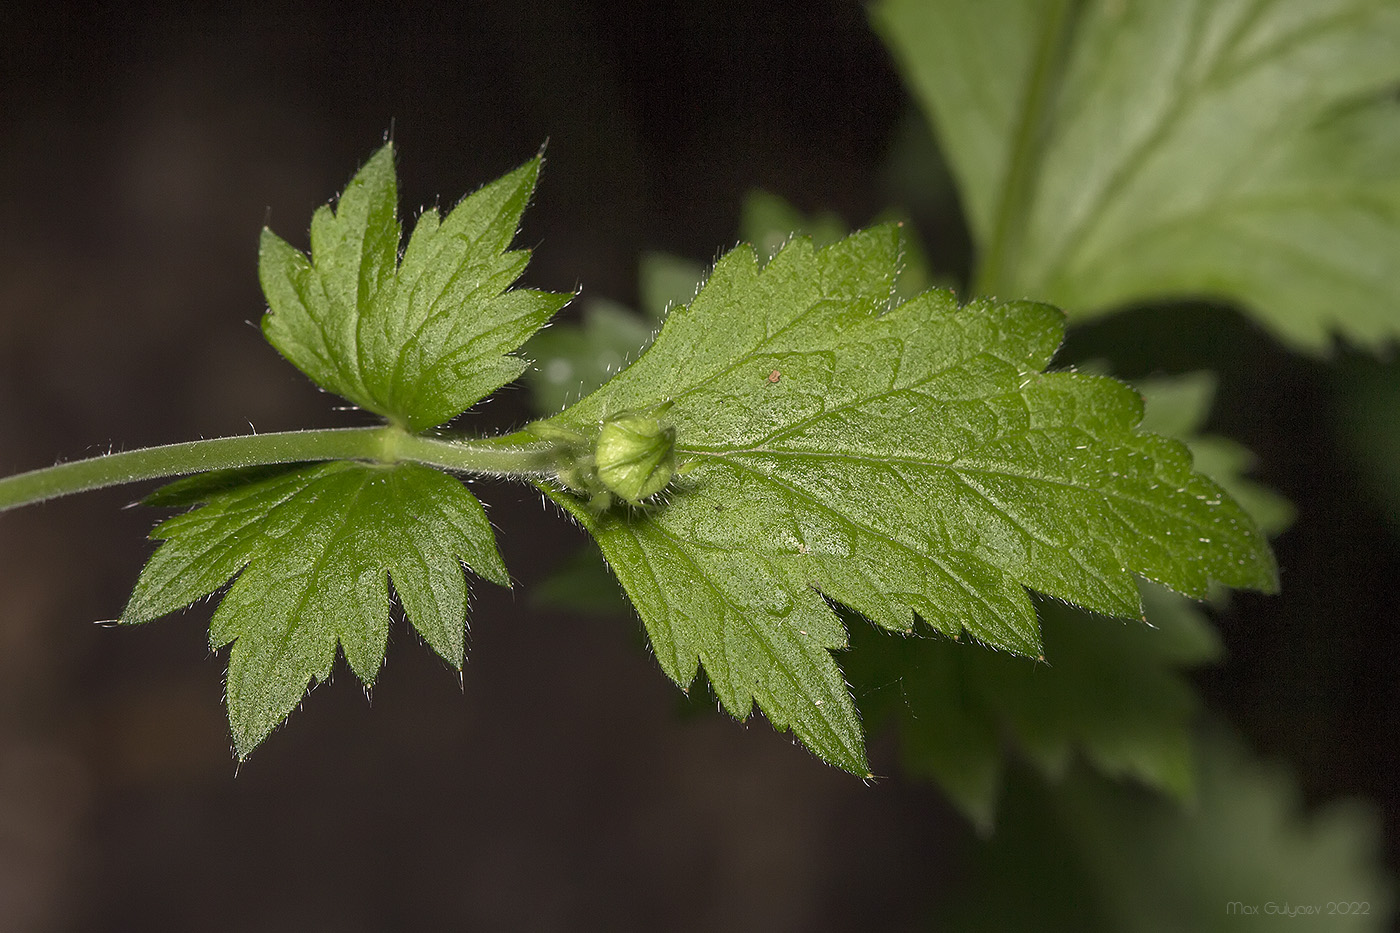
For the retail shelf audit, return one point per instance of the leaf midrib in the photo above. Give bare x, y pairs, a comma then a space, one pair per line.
1220, 72
957, 469
1025, 158
859, 528
294, 617
736, 614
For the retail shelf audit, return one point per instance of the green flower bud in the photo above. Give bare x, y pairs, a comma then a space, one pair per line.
635, 456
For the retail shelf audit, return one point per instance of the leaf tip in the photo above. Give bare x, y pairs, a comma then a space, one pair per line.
382, 154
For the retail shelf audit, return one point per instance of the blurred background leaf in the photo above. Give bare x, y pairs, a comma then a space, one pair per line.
1367, 399
1093, 854
1111, 153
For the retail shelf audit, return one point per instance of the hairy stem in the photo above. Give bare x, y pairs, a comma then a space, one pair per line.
514, 455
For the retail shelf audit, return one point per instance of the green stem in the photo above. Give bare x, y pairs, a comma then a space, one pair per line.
999, 260
514, 455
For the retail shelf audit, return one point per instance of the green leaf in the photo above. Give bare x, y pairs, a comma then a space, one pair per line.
199, 487
664, 281
960, 708
417, 341
1112, 153
768, 221
582, 583
899, 460
313, 551
1091, 855
1178, 406
575, 359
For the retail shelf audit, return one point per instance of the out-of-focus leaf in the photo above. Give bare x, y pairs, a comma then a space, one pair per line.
1178, 406
769, 221
574, 359
1114, 692
1110, 153
1092, 855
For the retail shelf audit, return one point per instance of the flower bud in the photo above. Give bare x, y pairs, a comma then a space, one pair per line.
635, 456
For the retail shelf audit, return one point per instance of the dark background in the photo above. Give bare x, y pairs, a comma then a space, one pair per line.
557, 787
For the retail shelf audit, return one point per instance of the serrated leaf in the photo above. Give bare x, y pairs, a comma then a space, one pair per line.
903, 461
1116, 695
962, 710
417, 341
1111, 691
1112, 153
768, 221
1178, 406
313, 551
574, 359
